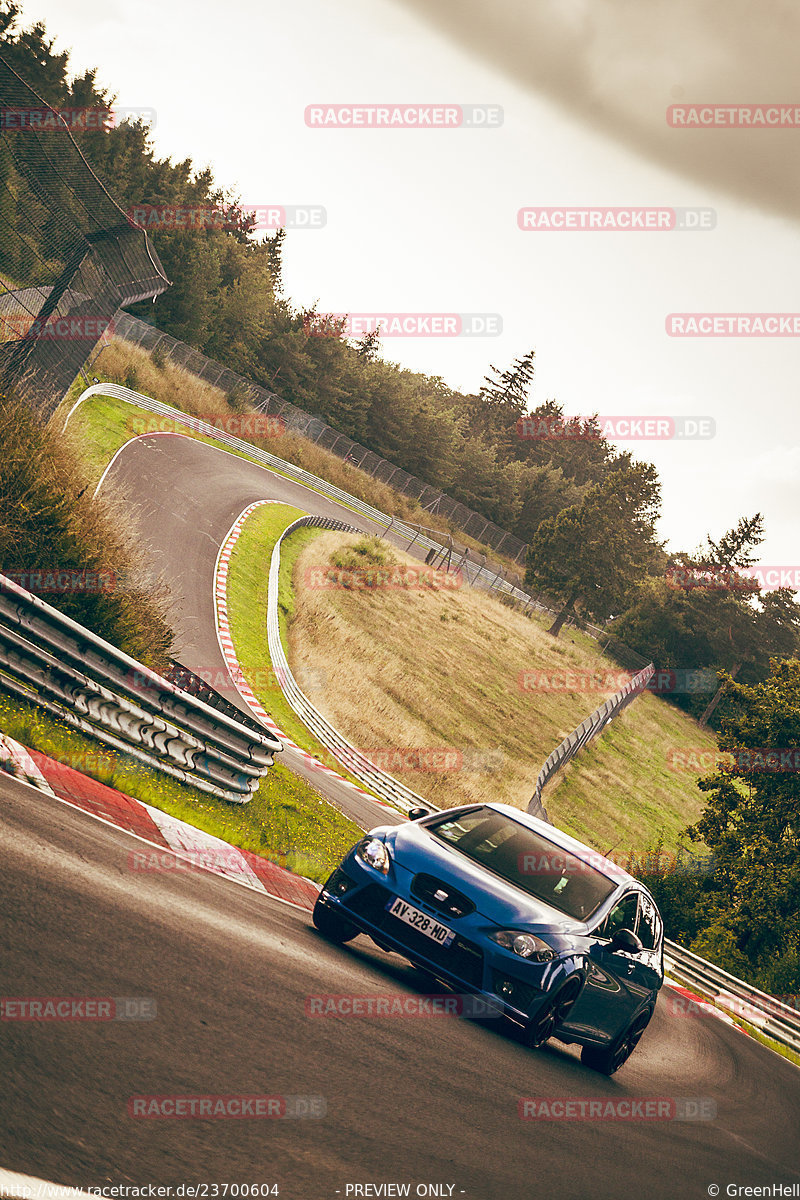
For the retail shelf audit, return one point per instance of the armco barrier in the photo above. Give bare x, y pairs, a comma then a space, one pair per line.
298, 421
345, 752
776, 1020
476, 574
584, 733
50, 660
772, 1017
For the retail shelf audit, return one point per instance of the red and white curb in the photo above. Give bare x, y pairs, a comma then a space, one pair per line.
235, 671
701, 1006
169, 844
16, 760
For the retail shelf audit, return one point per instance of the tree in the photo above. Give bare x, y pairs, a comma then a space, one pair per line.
736, 547
596, 553
752, 826
502, 400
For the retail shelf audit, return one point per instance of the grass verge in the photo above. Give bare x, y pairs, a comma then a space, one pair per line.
436, 681
248, 577
286, 820
122, 362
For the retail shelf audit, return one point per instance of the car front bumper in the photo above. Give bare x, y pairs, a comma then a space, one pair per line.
471, 964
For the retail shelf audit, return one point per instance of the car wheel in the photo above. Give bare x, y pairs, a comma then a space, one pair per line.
608, 1059
331, 925
552, 1014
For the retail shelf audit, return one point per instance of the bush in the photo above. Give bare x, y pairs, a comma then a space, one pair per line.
238, 397
50, 522
368, 551
158, 356
132, 380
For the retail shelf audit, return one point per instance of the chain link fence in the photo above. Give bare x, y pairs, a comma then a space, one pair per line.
69, 257
296, 420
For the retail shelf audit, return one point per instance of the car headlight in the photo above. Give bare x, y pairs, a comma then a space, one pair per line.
374, 853
526, 945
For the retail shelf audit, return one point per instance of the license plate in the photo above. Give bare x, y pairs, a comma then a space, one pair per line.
420, 921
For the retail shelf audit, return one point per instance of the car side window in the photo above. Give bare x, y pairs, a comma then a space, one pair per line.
622, 916
649, 923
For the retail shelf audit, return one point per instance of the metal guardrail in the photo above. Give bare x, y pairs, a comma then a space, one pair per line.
584, 733
350, 757
476, 574
50, 660
297, 420
777, 1020
771, 1016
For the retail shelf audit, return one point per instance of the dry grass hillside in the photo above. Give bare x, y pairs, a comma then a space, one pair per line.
402, 671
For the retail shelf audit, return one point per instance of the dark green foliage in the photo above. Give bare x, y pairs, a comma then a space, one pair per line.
227, 300
50, 522
596, 553
745, 914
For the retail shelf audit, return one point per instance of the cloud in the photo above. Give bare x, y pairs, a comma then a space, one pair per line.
617, 65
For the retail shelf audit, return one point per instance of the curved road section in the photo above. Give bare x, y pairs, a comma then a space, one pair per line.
228, 998
185, 495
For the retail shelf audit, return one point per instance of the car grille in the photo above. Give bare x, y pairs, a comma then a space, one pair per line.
455, 904
461, 958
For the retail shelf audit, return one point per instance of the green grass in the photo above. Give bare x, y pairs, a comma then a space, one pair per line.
441, 668
618, 788
286, 820
248, 577
102, 425
99, 427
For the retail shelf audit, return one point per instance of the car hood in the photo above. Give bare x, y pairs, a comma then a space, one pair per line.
414, 849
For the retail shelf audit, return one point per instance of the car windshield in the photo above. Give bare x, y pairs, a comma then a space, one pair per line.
526, 859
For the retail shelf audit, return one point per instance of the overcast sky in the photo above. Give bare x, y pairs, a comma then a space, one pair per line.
425, 220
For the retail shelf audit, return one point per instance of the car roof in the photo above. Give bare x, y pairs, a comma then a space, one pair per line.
605, 866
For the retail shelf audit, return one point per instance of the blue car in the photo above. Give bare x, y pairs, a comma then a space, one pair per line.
500, 905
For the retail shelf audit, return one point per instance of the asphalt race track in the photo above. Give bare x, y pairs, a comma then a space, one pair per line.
422, 1102
409, 1100
181, 527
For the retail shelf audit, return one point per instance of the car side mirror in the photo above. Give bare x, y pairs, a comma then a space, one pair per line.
416, 814
625, 939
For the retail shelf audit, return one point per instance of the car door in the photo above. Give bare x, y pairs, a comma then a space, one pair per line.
616, 982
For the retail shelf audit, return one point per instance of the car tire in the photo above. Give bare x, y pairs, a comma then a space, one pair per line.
332, 925
552, 1014
608, 1059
